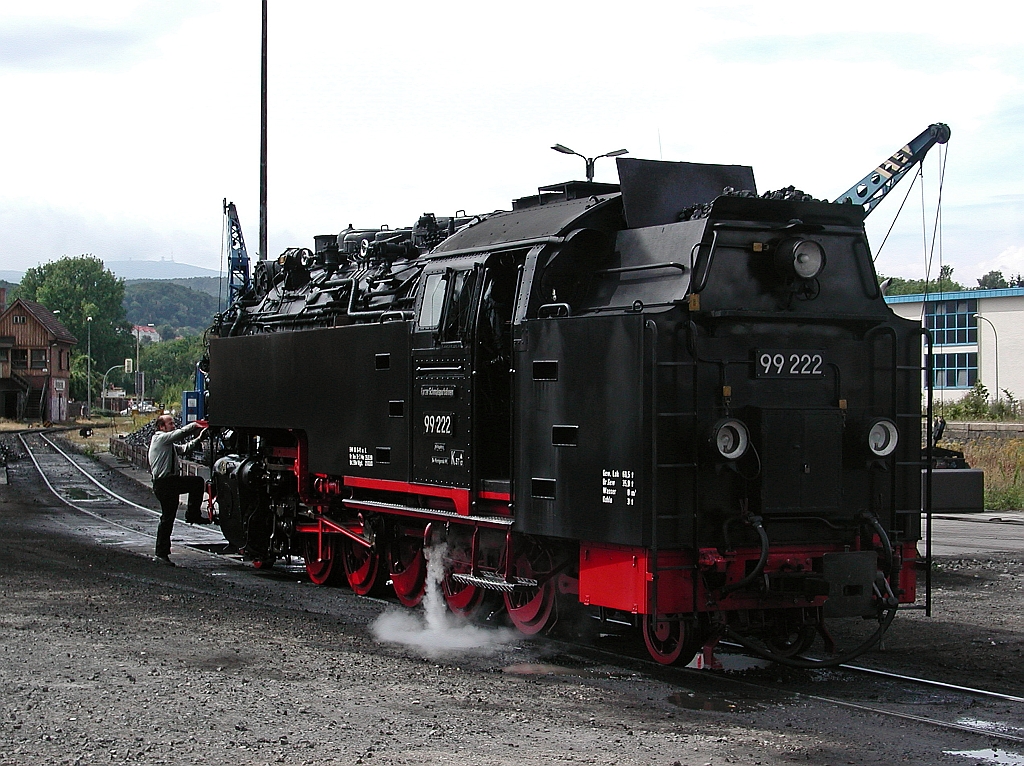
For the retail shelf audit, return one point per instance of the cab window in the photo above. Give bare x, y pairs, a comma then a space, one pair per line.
433, 301
458, 316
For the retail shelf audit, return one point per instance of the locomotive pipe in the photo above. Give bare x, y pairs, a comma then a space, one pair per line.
755, 522
794, 662
871, 519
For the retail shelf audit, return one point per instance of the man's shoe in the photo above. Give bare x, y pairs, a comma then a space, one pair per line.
165, 560
197, 520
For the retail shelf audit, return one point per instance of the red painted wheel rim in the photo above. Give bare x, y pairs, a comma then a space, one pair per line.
532, 610
320, 571
362, 567
408, 569
664, 639
462, 599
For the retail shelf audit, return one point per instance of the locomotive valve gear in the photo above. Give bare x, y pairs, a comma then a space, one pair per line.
168, 486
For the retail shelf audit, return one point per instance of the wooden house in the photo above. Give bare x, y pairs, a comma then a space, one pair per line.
35, 362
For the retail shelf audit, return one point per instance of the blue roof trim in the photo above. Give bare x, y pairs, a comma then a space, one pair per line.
960, 295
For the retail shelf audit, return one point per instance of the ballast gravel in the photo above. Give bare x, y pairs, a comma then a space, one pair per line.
108, 657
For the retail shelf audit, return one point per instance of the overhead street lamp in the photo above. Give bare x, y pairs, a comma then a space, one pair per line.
996, 335
104, 387
589, 160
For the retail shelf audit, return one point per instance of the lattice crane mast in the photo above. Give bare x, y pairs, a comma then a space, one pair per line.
871, 189
238, 258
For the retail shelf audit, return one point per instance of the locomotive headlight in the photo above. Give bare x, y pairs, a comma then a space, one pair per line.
801, 257
731, 438
883, 437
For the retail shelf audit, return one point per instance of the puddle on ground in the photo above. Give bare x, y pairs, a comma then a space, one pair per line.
977, 723
76, 493
541, 669
733, 663
996, 757
698, 701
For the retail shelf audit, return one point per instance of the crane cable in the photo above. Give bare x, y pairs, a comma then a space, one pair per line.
897, 216
936, 230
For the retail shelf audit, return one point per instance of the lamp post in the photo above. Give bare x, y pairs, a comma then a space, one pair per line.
996, 336
104, 386
589, 160
88, 375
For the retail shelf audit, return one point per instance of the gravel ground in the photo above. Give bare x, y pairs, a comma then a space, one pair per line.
108, 657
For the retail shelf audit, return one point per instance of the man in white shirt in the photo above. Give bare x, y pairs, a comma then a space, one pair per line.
168, 486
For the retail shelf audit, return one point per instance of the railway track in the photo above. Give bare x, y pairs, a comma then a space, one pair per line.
73, 480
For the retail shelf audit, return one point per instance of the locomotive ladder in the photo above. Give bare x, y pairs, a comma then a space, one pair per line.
925, 370
921, 370
671, 419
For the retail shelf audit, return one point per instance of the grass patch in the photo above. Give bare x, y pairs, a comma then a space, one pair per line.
1002, 460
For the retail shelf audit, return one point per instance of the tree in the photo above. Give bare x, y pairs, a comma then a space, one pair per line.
170, 368
944, 284
992, 281
81, 287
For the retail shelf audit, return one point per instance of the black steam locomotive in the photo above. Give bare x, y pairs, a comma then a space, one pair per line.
682, 409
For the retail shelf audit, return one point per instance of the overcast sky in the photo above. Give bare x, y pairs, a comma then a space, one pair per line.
126, 122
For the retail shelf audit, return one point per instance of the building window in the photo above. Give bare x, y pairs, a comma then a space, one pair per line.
4, 355
954, 370
18, 319
19, 358
952, 322
39, 359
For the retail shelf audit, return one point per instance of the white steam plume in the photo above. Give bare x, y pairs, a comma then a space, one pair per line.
435, 631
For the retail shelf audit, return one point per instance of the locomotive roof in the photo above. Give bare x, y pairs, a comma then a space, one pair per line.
550, 220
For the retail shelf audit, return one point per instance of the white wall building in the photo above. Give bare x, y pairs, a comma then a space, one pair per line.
970, 331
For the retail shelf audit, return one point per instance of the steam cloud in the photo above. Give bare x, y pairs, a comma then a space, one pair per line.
435, 631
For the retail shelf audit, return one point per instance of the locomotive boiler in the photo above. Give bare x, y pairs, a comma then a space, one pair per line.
651, 402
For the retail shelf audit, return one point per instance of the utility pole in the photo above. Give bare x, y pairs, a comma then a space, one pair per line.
88, 378
263, 140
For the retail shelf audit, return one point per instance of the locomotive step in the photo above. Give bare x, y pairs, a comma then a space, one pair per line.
493, 582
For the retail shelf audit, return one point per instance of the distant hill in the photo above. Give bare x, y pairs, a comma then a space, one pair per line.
214, 286
157, 270
13, 277
172, 308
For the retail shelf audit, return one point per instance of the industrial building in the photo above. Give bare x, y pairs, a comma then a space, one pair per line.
978, 335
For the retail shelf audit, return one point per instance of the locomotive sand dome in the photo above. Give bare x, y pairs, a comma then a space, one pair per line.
685, 410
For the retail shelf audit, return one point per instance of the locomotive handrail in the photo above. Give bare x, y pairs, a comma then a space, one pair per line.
495, 247
824, 228
694, 253
644, 267
549, 310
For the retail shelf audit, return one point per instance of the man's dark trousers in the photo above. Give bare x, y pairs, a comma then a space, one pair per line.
167, 490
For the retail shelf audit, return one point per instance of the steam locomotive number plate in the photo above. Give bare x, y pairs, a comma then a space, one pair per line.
439, 423
789, 363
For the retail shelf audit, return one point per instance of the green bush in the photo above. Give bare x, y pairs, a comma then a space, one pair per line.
976, 406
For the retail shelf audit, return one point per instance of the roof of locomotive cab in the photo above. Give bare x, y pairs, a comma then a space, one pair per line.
782, 211
553, 219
